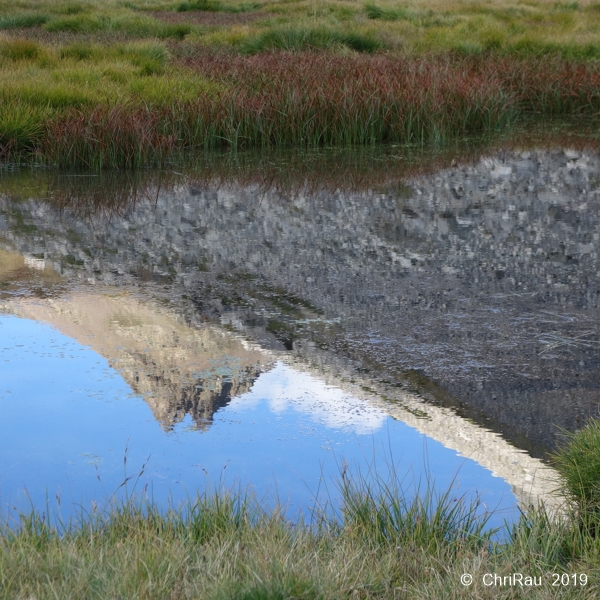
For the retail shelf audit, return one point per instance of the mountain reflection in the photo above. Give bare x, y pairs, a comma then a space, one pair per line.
179, 370
476, 286
26, 276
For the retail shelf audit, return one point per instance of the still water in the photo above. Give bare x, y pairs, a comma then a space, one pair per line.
269, 321
72, 430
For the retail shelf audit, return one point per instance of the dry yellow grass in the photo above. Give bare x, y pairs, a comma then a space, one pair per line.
531, 26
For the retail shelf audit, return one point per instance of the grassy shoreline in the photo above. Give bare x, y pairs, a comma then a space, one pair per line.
226, 546
383, 544
126, 84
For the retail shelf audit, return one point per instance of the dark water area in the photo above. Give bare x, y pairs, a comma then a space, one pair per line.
468, 278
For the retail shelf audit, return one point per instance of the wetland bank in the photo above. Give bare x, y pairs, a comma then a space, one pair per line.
324, 328
111, 84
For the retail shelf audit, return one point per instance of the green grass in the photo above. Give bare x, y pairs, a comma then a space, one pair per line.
406, 24
416, 17
578, 462
139, 26
23, 20
296, 39
216, 6
80, 74
414, 26
145, 71
383, 544
19, 49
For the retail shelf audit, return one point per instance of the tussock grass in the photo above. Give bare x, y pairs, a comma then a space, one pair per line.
216, 6
309, 73
578, 462
296, 39
225, 544
21, 129
23, 20
131, 25
19, 49
383, 512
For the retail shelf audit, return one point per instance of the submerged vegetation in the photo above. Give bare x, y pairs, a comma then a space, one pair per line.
123, 84
290, 172
385, 542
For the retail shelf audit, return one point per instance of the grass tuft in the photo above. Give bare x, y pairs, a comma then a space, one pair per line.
23, 20
80, 51
216, 6
384, 512
297, 39
19, 49
280, 587
21, 127
578, 462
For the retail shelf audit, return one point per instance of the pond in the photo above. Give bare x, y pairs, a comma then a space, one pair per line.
73, 428
275, 320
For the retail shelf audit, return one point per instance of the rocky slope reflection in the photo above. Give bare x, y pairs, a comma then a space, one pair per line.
177, 369
477, 286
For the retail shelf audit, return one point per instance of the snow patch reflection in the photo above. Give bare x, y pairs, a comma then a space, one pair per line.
284, 388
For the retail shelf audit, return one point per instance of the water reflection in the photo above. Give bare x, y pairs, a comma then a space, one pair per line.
22, 276
186, 373
69, 421
287, 389
179, 370
476, 286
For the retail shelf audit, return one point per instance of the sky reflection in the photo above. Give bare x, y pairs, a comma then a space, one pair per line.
68, 420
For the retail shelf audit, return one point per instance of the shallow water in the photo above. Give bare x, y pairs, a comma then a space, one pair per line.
73, 431
456, 293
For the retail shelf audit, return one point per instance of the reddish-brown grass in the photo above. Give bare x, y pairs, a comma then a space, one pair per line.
313, 99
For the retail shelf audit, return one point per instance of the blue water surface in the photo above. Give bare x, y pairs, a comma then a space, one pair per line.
71, 431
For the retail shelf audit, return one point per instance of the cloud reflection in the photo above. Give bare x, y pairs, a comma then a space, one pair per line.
284, 388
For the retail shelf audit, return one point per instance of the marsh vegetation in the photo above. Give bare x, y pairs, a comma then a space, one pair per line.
116, 84
113, 84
